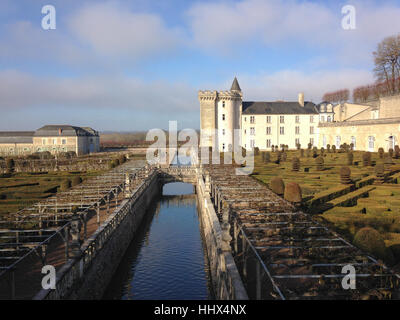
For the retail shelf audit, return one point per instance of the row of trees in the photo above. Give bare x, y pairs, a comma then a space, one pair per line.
386, 72
339, 96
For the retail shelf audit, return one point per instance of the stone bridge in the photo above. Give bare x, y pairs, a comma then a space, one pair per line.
186, 174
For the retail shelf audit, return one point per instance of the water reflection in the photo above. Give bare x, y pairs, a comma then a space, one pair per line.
167, 258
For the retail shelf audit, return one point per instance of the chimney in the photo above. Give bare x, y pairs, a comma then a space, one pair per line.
301, 99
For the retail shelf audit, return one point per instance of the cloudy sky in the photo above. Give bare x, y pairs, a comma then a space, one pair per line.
134, 65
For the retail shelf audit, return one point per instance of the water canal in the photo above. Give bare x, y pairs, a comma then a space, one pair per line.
167, 259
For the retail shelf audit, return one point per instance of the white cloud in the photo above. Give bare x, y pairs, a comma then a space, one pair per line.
112, 30
22, 90
286, 84
227, 27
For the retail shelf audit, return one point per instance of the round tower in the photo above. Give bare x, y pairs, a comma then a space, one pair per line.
229, 105
220, 114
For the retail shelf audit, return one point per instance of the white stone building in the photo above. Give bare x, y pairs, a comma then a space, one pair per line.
260, 124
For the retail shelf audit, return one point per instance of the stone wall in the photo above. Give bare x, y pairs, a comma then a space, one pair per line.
225, 277
380, 129
88, 276
389, 107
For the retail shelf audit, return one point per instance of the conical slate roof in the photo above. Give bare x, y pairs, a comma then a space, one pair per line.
235, 85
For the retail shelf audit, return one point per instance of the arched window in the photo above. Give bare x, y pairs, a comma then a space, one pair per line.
338, 140
371, 143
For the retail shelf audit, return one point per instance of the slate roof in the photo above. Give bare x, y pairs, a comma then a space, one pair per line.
235, 85
279, 107
62, 131
16, 136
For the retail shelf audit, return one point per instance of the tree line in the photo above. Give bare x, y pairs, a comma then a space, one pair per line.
386, 73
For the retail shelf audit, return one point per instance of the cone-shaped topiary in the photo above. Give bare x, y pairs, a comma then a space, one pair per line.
351, 146
309, 146
391, 152
366, 159
320, 163
302, 153
397, 152
75, 181
370, 240
328, 148
345, 175
350, 158
65, 185
315, 152
284, 156
388, 162
380, 173
10, 164
293, 193
381, 152
322, 151
334, 149
278, 157
273, 148
277, 186
295, 164
256, 151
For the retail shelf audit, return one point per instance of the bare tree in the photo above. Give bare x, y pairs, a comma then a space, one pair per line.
339, 96
387, 63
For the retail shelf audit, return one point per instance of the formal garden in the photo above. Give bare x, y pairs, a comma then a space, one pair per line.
356, 193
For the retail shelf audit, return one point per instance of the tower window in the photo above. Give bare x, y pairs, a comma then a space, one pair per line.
223, 132
268, 119
223, 104
311, 119
268, 143
223, 117
252, 131
297, 119
252, 119
282, 119
282, 130
268, 130
311, 130
297, 130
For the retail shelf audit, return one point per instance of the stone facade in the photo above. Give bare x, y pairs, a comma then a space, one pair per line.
219, 117
368, 126
258, 124
52, 138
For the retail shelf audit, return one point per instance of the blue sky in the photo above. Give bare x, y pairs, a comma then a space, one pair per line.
134, 65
